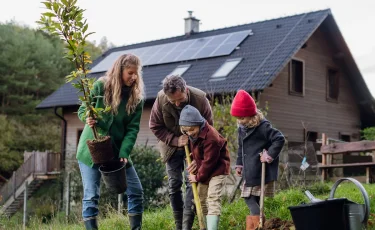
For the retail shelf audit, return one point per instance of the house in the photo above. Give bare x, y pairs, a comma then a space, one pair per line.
299, 64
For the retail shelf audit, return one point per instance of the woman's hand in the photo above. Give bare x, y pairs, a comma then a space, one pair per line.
91, 121
124, 160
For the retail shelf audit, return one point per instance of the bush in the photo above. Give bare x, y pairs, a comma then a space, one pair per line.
369, 134
151, 172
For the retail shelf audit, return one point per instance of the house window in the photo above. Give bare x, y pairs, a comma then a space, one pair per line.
180, 70
296, 76
311, 136
332, 85
79, 132
226, 68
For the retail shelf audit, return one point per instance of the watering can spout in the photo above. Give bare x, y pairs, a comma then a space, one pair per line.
311, 197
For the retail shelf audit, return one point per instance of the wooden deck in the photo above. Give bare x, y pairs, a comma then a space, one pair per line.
37, 167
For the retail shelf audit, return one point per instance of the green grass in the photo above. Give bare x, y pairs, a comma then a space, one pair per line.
233, 215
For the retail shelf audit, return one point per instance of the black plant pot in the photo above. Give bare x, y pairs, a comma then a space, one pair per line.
114, 176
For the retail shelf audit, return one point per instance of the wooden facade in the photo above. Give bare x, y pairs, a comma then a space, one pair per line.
287, 110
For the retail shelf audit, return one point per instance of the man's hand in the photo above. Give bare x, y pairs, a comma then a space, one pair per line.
192, 168
183, 140
239, 171
264, 157
91, 122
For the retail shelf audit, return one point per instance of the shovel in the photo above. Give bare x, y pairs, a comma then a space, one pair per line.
197, 201
261, 202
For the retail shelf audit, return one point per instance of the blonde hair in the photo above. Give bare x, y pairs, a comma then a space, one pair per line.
113, 84
256, 119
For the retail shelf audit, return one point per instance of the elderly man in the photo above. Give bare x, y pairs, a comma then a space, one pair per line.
164, 118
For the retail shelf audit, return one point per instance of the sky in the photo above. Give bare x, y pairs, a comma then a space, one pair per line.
126, 22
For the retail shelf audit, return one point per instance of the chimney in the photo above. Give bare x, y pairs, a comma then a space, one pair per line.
191, 24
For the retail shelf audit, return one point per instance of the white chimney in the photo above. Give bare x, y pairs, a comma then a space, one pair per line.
191, 24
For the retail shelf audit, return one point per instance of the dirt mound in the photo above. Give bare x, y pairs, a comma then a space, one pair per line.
277, 223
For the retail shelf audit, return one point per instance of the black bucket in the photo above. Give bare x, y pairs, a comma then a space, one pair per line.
322, 215
114, 176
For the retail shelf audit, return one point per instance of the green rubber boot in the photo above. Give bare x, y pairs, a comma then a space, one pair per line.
212, 222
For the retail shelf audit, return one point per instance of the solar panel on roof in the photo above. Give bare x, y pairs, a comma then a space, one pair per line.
206, 47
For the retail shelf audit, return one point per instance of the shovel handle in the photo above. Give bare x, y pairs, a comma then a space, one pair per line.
197, 201
262, 185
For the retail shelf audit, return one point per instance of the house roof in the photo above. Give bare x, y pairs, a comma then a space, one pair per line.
264, 54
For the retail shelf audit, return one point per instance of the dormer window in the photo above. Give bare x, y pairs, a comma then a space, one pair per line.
180, 70
226, 68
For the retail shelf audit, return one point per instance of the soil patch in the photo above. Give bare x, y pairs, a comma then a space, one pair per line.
279, 224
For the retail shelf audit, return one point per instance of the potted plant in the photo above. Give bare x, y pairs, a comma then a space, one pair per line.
64, 19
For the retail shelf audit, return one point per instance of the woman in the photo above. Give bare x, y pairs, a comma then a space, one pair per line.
122, 89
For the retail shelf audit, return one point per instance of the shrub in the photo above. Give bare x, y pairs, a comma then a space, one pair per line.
369, 133
151, 172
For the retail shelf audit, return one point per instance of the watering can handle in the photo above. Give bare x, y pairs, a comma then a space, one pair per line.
363, 191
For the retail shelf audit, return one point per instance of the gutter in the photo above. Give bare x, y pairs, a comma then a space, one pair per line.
63, 143
63, 149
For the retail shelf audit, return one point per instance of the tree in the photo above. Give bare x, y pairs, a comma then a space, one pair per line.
65, 19
104, 44
31, 68
9, 159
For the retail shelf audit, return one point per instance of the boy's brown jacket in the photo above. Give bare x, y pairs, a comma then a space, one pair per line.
211, 154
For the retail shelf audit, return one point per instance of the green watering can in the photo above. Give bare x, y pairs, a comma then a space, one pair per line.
356, 214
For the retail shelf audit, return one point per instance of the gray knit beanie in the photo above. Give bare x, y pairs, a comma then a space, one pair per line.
190, 116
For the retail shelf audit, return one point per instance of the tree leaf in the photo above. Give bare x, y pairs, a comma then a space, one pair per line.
65, 3
49, 14
77, 86
85, 28
48, 5
55, 7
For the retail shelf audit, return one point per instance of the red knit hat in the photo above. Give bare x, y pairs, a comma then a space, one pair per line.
243, 105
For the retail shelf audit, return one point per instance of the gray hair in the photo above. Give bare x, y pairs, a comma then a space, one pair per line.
173, 83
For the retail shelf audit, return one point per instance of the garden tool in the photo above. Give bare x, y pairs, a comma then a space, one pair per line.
261, 202
197, 201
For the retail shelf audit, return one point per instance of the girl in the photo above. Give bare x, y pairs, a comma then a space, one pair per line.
122, 89
255, 135
212, 162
